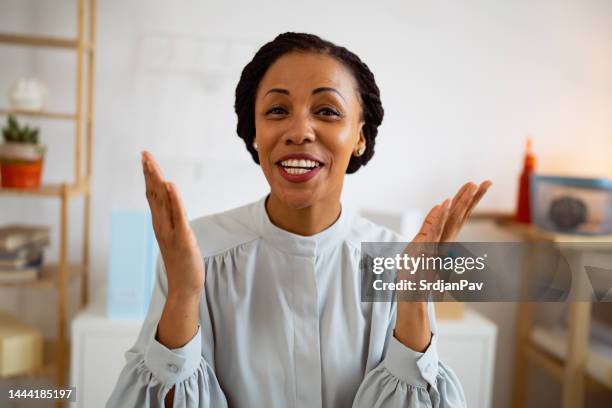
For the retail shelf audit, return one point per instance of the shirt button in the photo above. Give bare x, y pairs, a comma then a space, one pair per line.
173, 368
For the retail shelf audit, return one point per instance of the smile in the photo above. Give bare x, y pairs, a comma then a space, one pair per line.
299, 169
295, 166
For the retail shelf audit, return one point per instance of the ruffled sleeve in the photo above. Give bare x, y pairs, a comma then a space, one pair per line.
406, 378
152, 369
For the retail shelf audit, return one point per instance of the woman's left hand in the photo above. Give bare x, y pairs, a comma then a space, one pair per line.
442, 224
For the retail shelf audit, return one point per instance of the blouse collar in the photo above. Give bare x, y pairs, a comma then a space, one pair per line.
299, 244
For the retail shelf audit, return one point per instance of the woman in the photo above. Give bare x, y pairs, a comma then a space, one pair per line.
260, 306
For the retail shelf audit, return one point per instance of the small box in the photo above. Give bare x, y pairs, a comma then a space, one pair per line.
21, 347
449, 310
572, 205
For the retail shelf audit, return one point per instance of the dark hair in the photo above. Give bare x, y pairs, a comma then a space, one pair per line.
284, 43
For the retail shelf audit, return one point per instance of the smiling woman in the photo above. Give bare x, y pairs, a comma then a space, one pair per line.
302, 97
260, 306
301, 113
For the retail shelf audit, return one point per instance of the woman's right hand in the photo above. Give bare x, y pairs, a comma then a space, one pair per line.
177, 243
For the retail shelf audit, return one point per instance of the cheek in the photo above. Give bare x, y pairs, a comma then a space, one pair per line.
266, 133
340, 143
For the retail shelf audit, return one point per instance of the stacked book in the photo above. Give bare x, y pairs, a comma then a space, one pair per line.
21, 252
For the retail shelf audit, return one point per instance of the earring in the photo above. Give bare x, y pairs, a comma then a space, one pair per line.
360, 151
255, 145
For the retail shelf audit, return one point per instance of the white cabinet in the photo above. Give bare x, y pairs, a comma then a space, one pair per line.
468, 347
99, 345
98, 354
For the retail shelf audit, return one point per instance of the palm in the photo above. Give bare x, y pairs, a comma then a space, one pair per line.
445, 220
177, 243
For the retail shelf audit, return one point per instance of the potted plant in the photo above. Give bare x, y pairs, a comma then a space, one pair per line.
21, 157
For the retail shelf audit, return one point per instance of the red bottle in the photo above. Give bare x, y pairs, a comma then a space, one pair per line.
523, 209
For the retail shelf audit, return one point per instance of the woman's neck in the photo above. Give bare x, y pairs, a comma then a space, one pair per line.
303, 221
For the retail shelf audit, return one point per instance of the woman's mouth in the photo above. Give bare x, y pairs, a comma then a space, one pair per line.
298, 170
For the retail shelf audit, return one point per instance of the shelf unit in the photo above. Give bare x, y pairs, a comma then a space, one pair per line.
57, 276
570, 371
38, 114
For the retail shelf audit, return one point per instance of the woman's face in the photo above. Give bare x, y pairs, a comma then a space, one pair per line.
308, 124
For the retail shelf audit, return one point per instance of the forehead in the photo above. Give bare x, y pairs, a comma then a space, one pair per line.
306, 71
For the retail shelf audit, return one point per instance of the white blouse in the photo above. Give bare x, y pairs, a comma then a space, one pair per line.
283, 325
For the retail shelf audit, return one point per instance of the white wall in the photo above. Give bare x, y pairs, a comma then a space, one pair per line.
462, 84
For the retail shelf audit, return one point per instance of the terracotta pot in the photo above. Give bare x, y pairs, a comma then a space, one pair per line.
21, 174
21, 165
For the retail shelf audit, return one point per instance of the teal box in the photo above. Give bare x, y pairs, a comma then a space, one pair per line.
131, 270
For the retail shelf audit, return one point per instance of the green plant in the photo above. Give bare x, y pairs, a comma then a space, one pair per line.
13, 132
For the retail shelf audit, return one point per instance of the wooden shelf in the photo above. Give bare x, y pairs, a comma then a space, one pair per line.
49, 277
554, 366
39, 114
533, 233
42, 41
571, 370
47, 190
82, 45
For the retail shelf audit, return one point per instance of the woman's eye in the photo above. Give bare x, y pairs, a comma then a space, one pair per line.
277, 110
328, 112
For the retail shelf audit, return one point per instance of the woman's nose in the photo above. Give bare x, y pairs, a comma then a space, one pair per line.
299, 131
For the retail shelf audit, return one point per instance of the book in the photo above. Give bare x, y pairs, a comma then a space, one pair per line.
20, 258
30, 272
20, 276
15, 236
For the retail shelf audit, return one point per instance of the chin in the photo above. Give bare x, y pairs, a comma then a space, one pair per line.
297, 198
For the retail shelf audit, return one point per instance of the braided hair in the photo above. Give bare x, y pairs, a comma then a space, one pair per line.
253, 72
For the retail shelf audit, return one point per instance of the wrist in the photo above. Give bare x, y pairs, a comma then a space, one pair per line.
412, 310
179, 321
412, 325
183, 300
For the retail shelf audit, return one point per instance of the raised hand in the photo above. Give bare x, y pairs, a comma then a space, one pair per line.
177, 242
445, 220
442, 224
181, 256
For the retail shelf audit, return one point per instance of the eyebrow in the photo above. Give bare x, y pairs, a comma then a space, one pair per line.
314, 91
327, 89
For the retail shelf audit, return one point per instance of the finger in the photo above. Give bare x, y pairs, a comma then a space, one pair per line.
434, 223
459, 199
424, 232
482, 190
154, 169
179, 218
458, 210
464, 201
445, 213
150, 190
427, 237
157, 195
460, 193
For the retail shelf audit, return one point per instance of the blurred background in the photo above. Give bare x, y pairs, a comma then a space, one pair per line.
463, 84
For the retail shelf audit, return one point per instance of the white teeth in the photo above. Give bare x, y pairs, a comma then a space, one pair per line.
299, 163
295, 170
